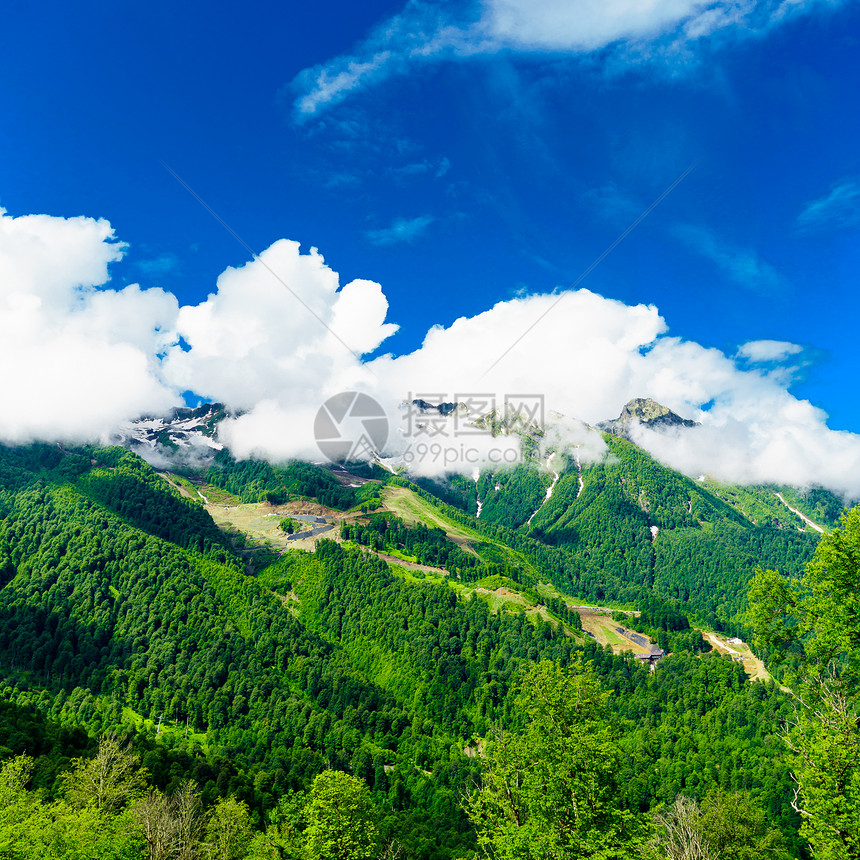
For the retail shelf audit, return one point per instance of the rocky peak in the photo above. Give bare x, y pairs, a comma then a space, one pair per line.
185, 436
647, 412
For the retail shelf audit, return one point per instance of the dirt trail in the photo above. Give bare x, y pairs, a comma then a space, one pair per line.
802, 516
410, 565
183, 491
720, 645
741, 653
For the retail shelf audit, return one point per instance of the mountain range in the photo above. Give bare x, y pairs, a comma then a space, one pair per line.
248, 625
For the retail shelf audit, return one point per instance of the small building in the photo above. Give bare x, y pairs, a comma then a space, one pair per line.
652, 659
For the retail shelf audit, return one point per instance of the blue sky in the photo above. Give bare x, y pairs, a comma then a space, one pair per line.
461, 155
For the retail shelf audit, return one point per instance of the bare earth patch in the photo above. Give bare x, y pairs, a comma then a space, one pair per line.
739, 652
260, 522
600, 624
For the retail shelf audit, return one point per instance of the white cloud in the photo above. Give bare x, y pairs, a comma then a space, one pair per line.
767, 351
401, 230
278, 429
333, 83
636, 30
581, 356
277, 327
421, 31
78, 358
840, 208
74, 360
54, 259
590, 355
780, 441
584, 25
158, 266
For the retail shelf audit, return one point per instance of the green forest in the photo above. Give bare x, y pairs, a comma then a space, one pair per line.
158, 700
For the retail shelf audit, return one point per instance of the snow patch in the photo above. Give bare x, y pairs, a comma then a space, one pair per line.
578, 472
549, 489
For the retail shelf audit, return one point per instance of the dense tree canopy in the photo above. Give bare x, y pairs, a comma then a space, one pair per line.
813, 624
550, 790
124, 612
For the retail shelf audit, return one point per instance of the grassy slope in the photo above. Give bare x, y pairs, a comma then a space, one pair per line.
411, 508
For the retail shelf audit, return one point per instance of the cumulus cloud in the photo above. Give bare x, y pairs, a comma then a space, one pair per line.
632, 29
790, 445
838, 209
78, 358
278, 327
276, 429
75, 360
580, 356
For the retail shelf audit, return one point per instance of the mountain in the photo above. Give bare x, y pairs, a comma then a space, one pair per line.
619, 527
443, 409
626, 526
391, 653
179, 611
184, 435
188, 437
646, 412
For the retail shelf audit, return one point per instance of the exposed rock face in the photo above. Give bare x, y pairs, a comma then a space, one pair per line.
444, 409
646, 412
183, 437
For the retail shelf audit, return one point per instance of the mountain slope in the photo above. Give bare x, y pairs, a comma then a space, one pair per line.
113, 615
626, 526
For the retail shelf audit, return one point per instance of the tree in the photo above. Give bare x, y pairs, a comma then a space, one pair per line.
341, 819
109, 781
283, 838
189, 820
155, 819
228, 833
679, 833
725, 827
173, 827
549, 791
20, 813
30, 827
737, 829
814, 626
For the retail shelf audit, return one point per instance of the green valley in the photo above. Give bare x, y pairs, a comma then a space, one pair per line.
165, 629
